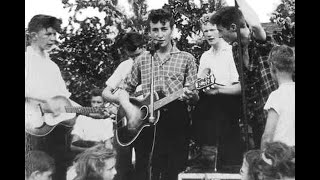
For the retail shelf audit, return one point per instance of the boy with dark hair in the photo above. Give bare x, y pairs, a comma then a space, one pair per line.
133, 43
256, 68
39, 166
174, 70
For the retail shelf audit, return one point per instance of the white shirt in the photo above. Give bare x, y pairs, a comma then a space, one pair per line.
221, 64
43, 78
282, 101
120, 74
90, 129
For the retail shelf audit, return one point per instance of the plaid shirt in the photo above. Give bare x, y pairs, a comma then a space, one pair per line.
257, 78
170, 74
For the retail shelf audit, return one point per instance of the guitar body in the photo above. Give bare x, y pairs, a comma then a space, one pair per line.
41, 117
138, 114
126, 135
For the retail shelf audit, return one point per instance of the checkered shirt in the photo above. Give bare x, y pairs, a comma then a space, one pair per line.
170, 74
257, 78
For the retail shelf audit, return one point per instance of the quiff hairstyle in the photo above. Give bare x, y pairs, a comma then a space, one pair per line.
228, 15
42, 21
160, 15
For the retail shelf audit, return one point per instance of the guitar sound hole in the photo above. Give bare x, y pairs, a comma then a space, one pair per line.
144, 110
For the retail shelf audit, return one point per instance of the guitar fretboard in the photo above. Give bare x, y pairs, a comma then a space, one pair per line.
83, 110
168, 99
200, 84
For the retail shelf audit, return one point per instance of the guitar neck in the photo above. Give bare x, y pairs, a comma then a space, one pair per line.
83, 110
164, 101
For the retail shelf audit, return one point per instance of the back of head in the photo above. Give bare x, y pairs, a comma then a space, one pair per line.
92, 161
41, 21
38, 161
278, 160
282, 58
160, 15
252, 157
132, 41
228, 15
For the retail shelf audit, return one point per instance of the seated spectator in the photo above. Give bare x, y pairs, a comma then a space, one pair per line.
88, 131
39, 166
250, 159
95, 163
277, 161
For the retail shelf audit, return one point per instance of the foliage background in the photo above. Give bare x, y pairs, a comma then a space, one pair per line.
89, 51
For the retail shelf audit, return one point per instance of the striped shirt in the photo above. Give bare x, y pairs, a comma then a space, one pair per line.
257, 78
170, 74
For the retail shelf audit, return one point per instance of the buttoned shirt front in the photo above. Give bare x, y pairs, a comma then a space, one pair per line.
43, 78
257, 78
170, 74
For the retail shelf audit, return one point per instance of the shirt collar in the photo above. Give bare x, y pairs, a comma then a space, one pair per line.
174, 49
31, 51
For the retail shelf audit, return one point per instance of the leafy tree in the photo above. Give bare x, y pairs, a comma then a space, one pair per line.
88, 55
90, 51
187, 15
284, 16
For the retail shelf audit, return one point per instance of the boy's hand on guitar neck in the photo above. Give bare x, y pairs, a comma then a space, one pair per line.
212, 90
188, 95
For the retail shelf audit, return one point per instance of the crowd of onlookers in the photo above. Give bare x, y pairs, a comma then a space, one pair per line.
276, 161
269, 97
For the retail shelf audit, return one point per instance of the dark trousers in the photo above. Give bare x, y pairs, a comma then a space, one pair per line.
257, 132
216, 123
54, 144
142, 145
171, 142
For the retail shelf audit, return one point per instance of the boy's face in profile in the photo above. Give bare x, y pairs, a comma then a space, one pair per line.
97, 101
45, 38
227, 34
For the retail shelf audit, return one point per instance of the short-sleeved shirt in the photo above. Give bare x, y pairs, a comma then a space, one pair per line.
90, 129
170, 74
221, 64
43, 78
257, 78
119, 75
282, 101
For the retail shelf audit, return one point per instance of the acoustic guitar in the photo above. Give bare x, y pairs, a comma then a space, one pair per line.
126, 135
41, 117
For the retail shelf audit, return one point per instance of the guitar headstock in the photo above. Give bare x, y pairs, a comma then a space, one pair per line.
205, 82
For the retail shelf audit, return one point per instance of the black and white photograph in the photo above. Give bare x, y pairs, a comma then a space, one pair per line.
159, 89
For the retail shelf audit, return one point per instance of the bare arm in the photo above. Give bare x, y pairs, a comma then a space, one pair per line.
109, 95
252, 19
270, 128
